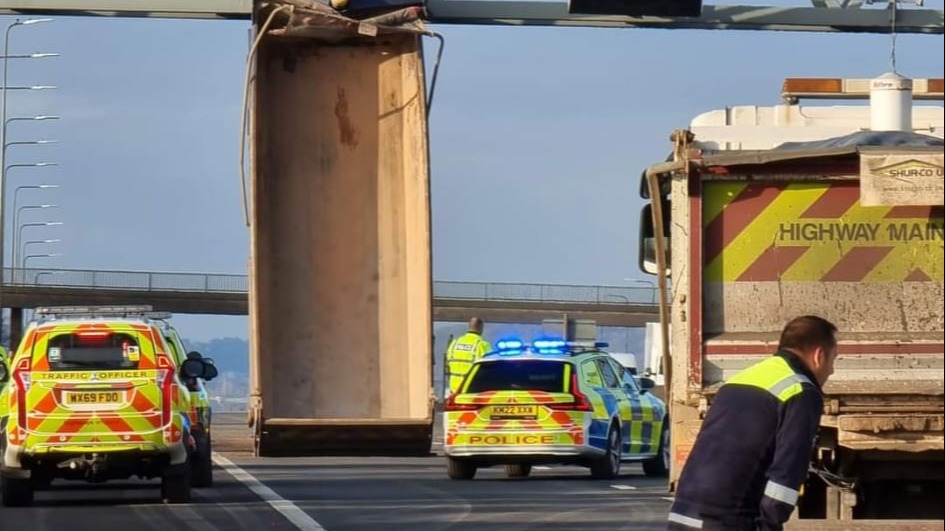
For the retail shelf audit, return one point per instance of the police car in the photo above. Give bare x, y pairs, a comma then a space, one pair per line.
554, 402
93, 394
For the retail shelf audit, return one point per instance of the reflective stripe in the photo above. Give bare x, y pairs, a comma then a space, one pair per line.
687, 521
775, 376
781, 493
784, 384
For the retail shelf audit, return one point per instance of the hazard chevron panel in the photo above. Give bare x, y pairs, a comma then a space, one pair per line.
816, 232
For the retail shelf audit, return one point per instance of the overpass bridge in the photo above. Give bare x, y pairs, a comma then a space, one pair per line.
226, 294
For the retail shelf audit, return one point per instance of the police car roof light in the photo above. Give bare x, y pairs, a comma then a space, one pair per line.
510, 344
92, 310
549, 344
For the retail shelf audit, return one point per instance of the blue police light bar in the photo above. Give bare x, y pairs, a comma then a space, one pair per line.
637, 8
510, 344
549, 344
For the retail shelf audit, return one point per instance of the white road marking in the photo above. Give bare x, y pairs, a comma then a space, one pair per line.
542, 467
623, 487
286, 508
667, 498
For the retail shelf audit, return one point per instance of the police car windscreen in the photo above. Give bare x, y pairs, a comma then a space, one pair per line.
93, 350
518, 375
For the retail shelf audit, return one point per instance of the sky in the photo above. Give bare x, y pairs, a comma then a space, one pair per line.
549, 127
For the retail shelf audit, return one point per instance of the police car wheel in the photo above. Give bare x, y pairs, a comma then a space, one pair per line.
202, 472
17, 492
460, 469
608, 466
518, 470
659, 466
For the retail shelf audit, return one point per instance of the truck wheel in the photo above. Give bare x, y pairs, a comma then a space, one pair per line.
175, 484
460, 469
659, 466
608, 466
17, 492
518, 470
202, 464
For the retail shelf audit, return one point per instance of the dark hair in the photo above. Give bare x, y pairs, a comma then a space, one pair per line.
808, 332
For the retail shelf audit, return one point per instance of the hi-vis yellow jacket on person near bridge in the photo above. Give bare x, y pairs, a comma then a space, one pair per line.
461, 354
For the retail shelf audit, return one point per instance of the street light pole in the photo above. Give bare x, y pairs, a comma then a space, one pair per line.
3, 135
29, 242
45, 255
40, 118
3, 183
16, 195
34, 224
16, 223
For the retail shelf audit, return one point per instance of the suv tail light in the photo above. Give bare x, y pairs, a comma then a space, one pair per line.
23, 381
581, 402
165, 379
451, 405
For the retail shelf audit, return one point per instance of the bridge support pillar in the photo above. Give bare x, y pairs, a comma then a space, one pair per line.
16, 327
340, 272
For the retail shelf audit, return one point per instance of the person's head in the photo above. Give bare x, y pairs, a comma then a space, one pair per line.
814, 340
475, 325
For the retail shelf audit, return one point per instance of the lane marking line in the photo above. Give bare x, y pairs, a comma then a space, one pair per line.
623, 487
286, 508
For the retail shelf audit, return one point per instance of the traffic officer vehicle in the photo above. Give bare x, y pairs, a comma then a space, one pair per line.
554, 402
200, 411
94, 394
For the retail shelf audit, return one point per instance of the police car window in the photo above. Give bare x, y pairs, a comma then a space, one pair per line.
175, 352
610, 377
592, 374
627, 379
103, 350
518, 375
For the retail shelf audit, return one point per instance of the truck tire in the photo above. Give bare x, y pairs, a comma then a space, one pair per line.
518, 470
658, 466
175, 484
460, 469
201, 474
608, 466
17, 492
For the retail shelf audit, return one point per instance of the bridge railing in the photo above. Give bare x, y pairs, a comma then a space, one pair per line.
541, 293
233, 283
126, 280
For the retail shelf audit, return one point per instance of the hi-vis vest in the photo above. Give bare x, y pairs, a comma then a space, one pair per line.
720, 485
460, 355
773, 375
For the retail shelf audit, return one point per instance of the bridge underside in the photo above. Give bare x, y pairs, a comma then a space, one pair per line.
225, 303
822, 16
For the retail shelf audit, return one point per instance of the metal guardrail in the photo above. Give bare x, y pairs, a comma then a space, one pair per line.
230, 283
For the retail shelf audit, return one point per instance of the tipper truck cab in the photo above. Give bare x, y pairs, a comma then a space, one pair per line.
762, 214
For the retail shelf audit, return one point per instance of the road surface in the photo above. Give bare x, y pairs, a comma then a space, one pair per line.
352, 494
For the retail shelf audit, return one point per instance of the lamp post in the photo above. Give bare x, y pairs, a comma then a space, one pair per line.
3, 129
39, 118
3, 186
16, 196
41, 273
16, 223
648, 283
44, 255
35, 224
30, 242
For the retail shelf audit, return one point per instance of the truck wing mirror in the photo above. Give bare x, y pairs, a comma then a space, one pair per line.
646, 251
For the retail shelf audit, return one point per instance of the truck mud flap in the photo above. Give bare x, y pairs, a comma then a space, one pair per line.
322, 437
